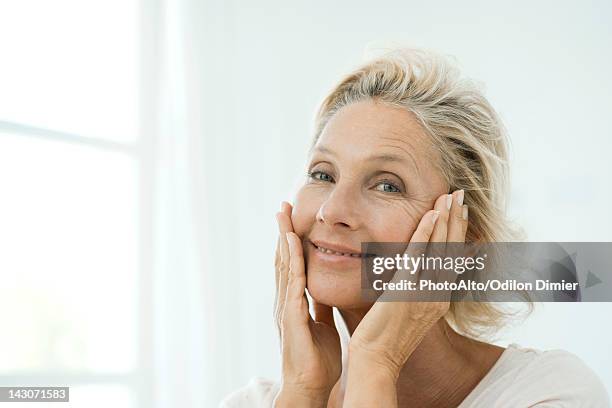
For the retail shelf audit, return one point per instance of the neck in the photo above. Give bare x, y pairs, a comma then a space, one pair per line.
443, 369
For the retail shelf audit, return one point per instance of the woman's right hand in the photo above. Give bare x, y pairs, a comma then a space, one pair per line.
310, 346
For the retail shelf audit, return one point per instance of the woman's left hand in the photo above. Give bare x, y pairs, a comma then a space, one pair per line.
391, 331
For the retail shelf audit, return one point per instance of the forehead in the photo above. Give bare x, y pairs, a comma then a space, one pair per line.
367, 128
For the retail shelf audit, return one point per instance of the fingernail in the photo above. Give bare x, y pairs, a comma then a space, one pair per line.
449, 201
460, 195
434, 217
465, 212
282, 207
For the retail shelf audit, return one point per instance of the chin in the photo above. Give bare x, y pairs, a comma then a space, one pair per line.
337, 289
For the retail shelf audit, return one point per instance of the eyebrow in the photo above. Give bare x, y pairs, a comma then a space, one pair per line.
386, 157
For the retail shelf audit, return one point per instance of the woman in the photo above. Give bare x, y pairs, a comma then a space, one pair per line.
404, 151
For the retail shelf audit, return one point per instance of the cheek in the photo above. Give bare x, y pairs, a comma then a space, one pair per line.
396, 221
305, 207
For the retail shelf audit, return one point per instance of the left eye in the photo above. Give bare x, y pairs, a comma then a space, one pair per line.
387, 187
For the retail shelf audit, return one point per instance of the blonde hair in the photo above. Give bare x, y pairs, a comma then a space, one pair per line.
469, 136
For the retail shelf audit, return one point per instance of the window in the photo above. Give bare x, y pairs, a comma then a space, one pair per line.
73, 203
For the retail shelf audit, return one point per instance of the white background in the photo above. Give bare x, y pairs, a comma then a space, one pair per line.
145, 148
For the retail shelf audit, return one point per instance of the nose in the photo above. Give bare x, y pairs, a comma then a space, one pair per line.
339, 209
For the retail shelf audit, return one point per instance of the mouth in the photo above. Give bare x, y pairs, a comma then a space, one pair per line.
337, 250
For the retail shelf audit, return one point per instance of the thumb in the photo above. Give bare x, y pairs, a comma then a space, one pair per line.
323, 313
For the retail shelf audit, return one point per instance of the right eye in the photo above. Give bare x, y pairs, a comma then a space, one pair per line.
320, 176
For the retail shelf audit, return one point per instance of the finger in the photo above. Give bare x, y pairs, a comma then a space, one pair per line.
276, 273
295, 320
287, 208
284, 226
335, 393
297, 277
437, 246
442, 204
418, 244
425, 227
457, 228
296, 304
280, 263
421, 238
457, 224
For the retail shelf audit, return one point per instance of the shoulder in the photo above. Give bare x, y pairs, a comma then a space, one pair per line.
530, 377
566, 375
259, 392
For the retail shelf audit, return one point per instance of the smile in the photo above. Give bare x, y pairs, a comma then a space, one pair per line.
337, 251
329, 251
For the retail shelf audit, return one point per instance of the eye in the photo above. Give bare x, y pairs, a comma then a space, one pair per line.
388, 187
320, 176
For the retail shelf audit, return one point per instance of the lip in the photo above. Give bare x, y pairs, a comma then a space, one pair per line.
333, 260
335, 247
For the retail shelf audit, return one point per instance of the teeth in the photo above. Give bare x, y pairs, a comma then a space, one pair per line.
329, 251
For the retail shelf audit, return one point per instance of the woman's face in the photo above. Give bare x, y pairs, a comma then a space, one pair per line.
372, 177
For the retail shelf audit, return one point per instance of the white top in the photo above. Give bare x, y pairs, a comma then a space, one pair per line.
521, 378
